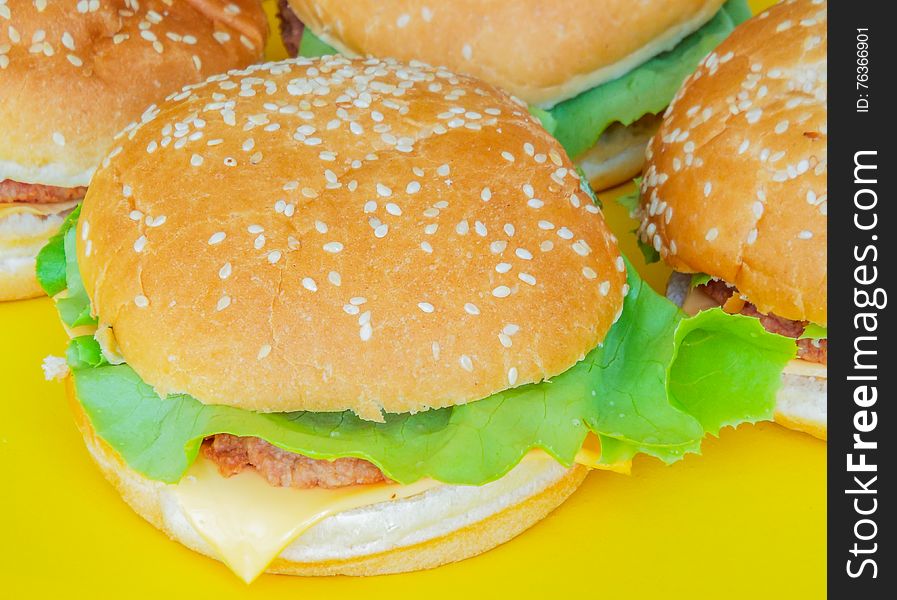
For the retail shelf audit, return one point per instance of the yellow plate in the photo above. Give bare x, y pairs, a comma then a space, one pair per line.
744, 520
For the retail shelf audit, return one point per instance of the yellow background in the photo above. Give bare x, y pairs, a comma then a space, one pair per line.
744, 520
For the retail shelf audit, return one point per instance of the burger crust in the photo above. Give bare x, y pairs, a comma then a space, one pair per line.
619, 154
542, 52
153, 502
279, 291
70, 80
735, 183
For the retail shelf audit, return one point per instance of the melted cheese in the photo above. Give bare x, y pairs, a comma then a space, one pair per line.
13, 208
248, 522
696, 301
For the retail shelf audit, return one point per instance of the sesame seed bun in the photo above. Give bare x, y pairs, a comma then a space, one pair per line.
337, 234
72, 74
735, 184
444, 524
542, 52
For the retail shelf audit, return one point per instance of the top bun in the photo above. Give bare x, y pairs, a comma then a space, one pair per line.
542, 52
345, 234
735, 184
72, 74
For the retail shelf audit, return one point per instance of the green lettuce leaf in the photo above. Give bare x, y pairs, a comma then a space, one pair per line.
699, 279
577, 123
814, 332
624, 391
51, 265
57, 270
311, 45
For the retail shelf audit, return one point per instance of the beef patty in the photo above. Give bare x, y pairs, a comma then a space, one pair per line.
290, 27
233, 454
15, 191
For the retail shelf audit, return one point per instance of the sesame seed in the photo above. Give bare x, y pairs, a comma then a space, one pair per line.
381, 230
805, 234
498, 246
425, 307
462, 228
426, 247
383, 191
225, 271
196, 160
620, 264
486, 194
503, 267
507, 156
333, 247
140, 244
604, 288
274, 256
412, 188
527, 278
141, 301
217, 238
712, 234
512, 376
264, 351
58, 139
223, 303
501, 291
466, 363
523, 254
708, 187
365, 332
467, 52
393, 209
565, 233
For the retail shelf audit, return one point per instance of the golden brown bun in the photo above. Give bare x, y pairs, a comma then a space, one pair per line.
802, 404
294, 282
24, 230
619, 153
735, 183
70, 80
542, 52
536, 492
17, 280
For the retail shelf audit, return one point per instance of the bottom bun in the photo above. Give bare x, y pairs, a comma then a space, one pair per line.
619, 153
802, 401
444, 524
22, 235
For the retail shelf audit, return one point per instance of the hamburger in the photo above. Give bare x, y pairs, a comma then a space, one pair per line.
339, 332
734, 196
69, 83
596, 73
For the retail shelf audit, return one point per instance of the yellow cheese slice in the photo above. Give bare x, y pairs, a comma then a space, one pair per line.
248, 522
696, 301
8, 209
